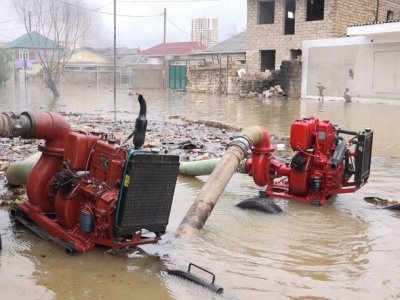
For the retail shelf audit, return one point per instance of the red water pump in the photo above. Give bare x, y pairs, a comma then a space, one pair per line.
325, 164
88, 190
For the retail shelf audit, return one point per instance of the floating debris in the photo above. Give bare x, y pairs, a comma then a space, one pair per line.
384, 203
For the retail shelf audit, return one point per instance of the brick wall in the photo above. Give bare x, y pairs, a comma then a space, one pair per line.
207, 79
216, 80
337, 15
290, 78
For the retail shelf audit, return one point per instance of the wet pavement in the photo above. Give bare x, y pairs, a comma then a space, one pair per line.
346, 250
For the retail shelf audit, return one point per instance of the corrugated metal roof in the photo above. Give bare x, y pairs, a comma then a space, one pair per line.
373, 23
235, 44
32, 40
132, 59
182, 48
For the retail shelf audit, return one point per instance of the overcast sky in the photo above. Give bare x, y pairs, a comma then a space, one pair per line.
142, 32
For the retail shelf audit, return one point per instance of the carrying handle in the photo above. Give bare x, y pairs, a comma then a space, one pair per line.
207, 271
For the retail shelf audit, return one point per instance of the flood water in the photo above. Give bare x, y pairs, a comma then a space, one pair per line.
346, 250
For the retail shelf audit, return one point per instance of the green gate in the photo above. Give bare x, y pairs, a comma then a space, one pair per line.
177, 77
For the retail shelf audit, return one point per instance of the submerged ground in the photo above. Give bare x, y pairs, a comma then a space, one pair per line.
346, 250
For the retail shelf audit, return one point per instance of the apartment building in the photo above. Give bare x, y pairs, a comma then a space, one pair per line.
205, 31
277, 28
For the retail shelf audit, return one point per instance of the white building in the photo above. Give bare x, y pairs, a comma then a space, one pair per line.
363, 65
205, 31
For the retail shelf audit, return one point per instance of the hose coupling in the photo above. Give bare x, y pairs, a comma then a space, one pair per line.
243, 142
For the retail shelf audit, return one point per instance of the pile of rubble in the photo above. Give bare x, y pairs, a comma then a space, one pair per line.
262, 85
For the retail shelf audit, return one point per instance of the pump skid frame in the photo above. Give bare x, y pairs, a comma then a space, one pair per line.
324, 164
87, 190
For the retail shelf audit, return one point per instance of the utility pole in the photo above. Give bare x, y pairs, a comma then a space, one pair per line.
377, 12
115, 61
164, 41
30, 21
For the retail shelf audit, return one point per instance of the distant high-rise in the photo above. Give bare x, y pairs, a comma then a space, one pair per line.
205, 31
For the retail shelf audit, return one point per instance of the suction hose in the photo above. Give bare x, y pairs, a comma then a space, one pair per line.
202, 207
19, 171
198, 168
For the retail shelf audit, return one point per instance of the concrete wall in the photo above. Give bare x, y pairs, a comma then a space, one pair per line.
89, 78
337, 15
356, 68
142, 76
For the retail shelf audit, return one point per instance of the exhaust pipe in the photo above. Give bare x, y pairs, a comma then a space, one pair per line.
139, 132
202, 207
339, 153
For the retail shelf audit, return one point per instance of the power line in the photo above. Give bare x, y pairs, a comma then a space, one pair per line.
12, 28
107, 13
187, 33
177, 27
166, 1
96, 10
23, 27
5, 36
10, 20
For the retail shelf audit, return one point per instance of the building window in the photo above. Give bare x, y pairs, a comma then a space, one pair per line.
295, 54
24, 54
315, 10
267, 60
389, 15
266, 11
289, 16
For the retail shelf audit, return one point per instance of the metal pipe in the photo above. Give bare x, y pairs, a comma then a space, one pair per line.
143, 106
12, 125
202, 207
339, 154
260, 159
139, 133
115, 61
51, 127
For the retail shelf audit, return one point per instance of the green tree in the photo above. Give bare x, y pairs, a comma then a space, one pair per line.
5, 66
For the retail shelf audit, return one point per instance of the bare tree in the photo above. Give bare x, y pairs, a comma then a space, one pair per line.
63, 23
5, 67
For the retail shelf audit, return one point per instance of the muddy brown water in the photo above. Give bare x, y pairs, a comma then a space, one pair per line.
346, 250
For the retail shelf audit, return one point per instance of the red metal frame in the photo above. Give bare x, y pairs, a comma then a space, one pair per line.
97, 192
314, 142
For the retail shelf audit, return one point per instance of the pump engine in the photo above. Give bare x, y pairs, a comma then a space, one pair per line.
88, 190
324, 164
